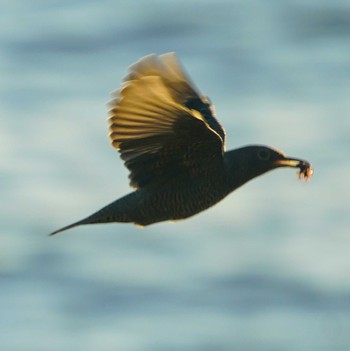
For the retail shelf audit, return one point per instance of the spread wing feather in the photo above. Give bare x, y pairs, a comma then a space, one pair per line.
160, 124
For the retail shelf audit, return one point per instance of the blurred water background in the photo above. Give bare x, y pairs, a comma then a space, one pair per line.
266, 269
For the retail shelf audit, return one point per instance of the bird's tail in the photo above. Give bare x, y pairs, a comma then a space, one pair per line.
68, 227
117, 211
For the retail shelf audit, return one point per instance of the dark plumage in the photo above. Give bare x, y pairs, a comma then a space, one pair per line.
174, 148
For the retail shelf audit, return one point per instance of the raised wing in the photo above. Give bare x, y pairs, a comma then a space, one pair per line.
161, 125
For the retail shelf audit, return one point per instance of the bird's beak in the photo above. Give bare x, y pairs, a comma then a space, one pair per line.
290, 162
306, 170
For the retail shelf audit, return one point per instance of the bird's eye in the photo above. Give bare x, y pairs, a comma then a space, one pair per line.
264, 155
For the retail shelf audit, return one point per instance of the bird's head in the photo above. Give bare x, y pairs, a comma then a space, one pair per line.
251, 161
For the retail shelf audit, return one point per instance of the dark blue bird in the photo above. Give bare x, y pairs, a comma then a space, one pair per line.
169, 139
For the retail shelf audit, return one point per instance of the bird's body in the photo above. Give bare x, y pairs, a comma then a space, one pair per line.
178, 200
174, 148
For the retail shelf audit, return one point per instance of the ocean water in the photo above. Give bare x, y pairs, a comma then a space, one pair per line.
266, 269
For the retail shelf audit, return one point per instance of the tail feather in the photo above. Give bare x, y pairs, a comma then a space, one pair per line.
67, 227
117, 211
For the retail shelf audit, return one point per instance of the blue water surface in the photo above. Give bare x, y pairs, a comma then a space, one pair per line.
266, 269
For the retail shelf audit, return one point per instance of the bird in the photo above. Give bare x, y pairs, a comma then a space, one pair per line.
174, 147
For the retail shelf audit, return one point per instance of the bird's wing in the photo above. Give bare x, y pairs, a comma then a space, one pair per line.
160, 124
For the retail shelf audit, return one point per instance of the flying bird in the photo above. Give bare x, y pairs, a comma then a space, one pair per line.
172, 144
